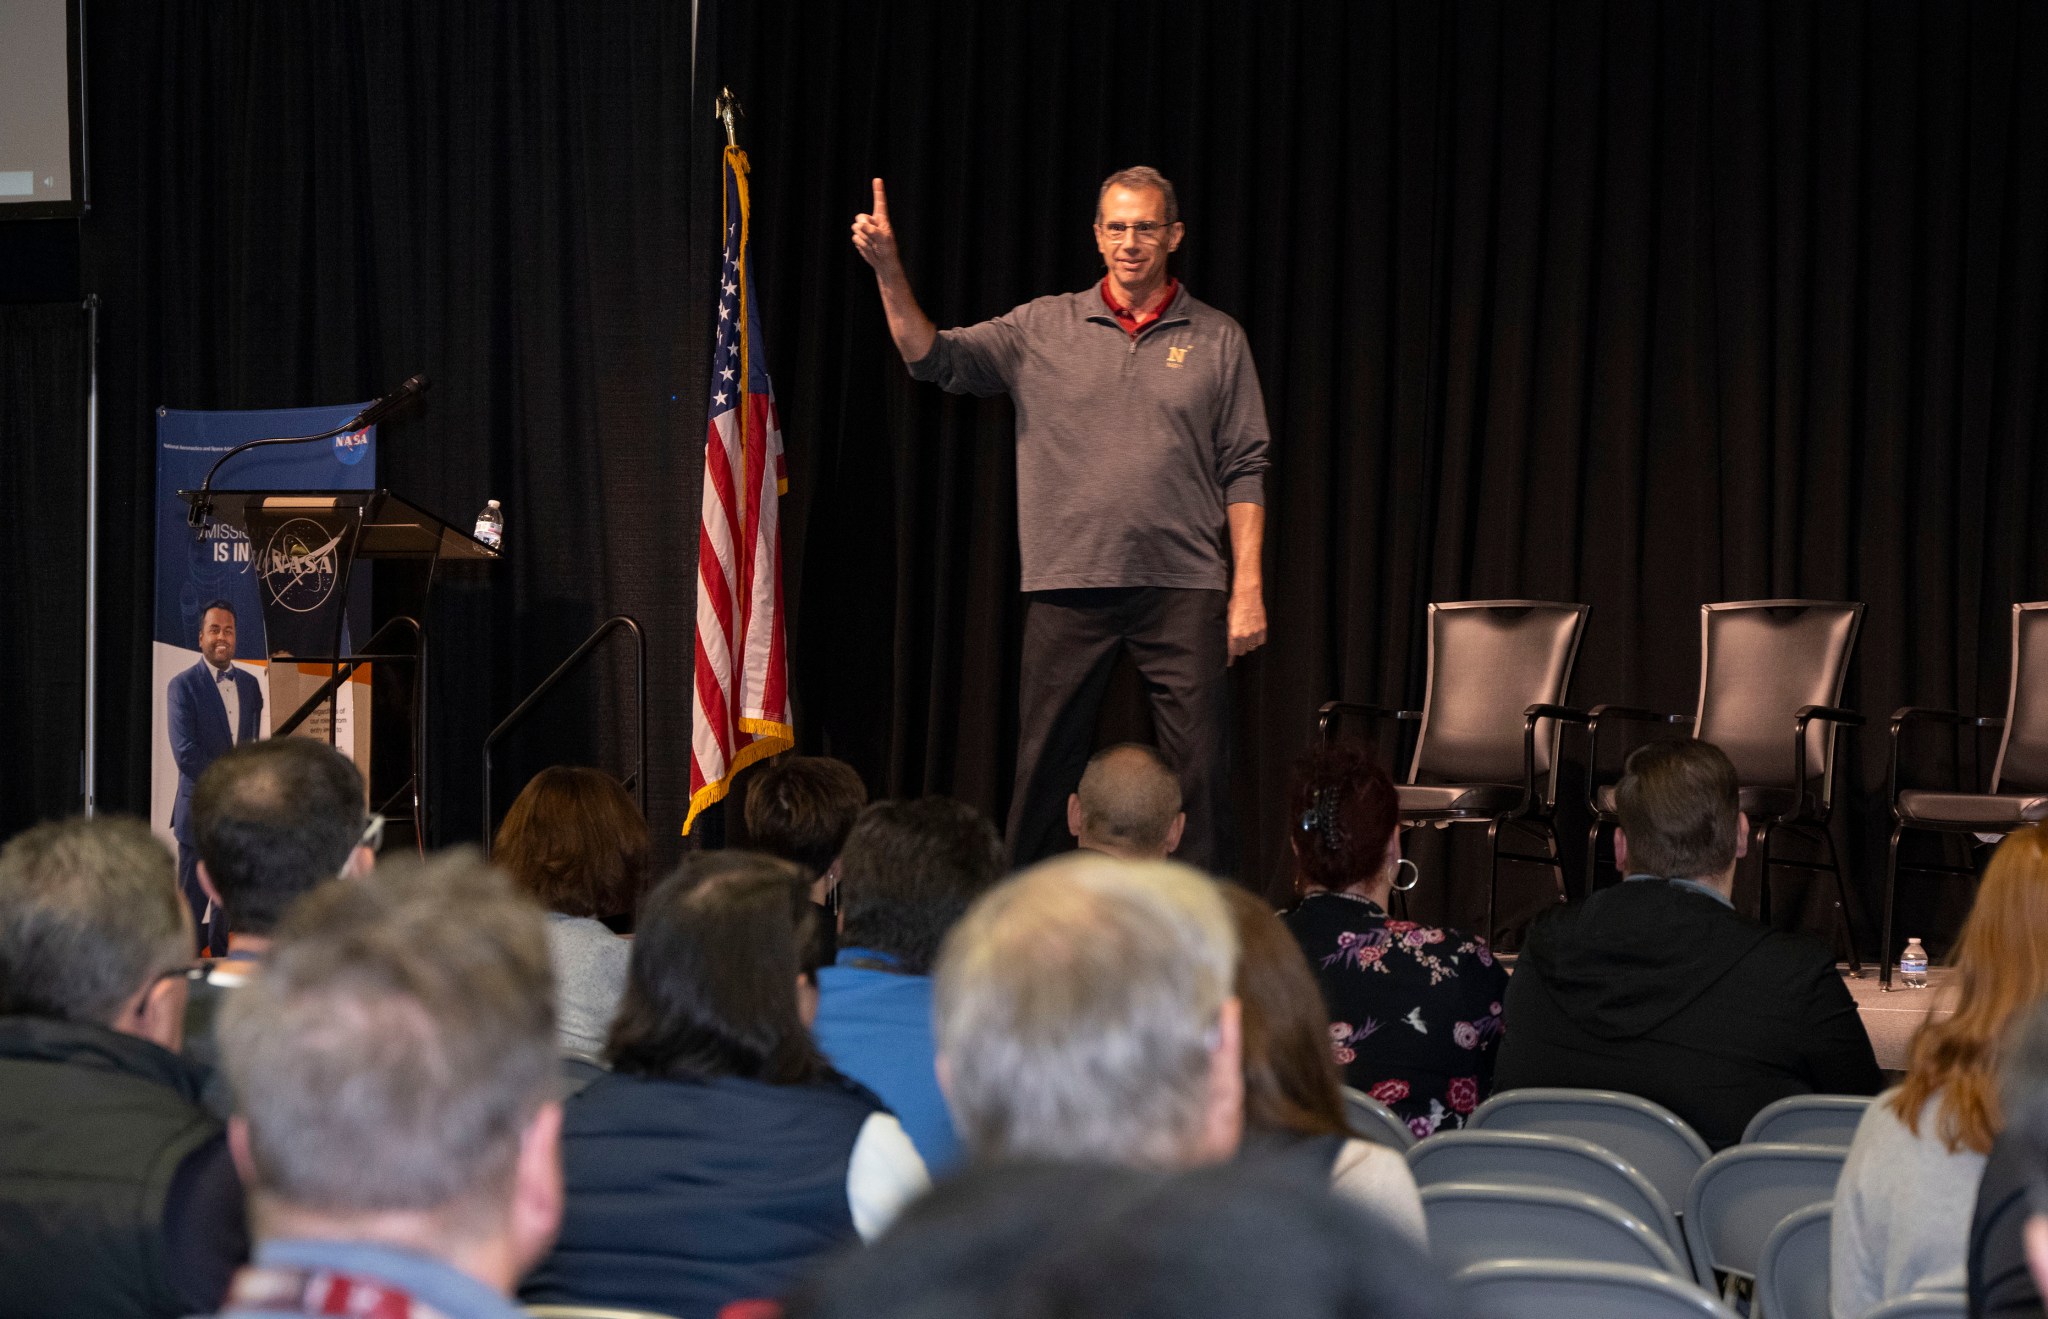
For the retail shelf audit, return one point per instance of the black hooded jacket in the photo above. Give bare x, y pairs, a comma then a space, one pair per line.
1662, 991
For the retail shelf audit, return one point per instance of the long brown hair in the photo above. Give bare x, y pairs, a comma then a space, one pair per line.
2001, 970
1290, 1079
576, 842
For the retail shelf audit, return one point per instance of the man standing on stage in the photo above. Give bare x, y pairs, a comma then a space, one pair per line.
1141, 438
212, 706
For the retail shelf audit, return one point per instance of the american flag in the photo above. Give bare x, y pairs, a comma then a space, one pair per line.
741, 712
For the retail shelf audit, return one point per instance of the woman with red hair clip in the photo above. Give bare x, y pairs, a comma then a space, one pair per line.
1414, 1009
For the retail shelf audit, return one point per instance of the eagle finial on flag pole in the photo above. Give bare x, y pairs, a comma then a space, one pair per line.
725, 109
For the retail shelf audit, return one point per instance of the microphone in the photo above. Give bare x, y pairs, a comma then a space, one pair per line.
389, 406
382, 410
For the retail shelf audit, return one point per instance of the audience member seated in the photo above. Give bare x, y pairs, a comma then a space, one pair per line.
2008, 1251
1128, 804
576, 842
117, 1195
1657, 987
722, 1155
1902, 1208
394, 1073
1086, 1011
272, 820
908, 872
1110, 1243
1293, 1104
801, 808
1414, 1010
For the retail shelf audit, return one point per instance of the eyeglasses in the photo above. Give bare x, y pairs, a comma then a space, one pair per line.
1145, 231
372, 837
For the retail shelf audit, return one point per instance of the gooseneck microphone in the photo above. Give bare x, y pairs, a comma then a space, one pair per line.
383, 409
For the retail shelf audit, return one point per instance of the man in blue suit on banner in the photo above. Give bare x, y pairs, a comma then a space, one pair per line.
213, 706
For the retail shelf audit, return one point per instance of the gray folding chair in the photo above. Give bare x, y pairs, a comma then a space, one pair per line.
1545, 1289
1474, 1221
1807, 1120
1376, 1122
1649, 1137
1540, 1158
1924, 1305
1744, 1192
1792, 1275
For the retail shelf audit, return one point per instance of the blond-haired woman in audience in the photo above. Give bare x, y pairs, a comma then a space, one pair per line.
1903, 1205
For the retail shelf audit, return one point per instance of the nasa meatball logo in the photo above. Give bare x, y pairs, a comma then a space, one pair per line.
301, 564
351, 447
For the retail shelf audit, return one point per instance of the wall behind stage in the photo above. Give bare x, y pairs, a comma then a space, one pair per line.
1641, 305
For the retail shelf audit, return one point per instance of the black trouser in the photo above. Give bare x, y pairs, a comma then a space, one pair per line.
1071, 639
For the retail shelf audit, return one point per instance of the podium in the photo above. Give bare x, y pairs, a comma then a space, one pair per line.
304, 546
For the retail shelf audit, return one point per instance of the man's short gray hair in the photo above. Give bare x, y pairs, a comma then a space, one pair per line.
1076, 1006
396, 1045
89, 914
1138, 178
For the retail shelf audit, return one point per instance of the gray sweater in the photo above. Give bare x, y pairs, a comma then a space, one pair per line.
590, 978
1127, 449
1902, 1211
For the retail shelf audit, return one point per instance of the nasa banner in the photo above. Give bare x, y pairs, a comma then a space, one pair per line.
221, 675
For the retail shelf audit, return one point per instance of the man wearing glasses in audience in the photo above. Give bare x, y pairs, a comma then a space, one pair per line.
118, 1197
1141, 449
273, 820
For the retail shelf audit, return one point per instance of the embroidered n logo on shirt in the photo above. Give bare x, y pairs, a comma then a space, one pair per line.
1176, 356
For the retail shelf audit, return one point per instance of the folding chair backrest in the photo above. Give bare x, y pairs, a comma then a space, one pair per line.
1473, 1221
1539, 1158
1923, 1305
2022, 764
1545, 1289
1375, 1121
1792, 1274
1807, 1120
1760, 661
1649, 1137
1489, 661
1745, 1191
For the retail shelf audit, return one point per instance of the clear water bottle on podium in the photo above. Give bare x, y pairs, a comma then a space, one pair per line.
490, 526
1913, 965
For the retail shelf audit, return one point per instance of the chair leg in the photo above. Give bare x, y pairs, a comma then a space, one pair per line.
1845, 921
1762, 849
1891, 888
1556, 859
1492, 874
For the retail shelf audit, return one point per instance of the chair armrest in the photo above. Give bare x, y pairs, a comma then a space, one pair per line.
1532, 716
1327, 714
1804, 715
1628, 713
1562, 712
1634, 714
1907, 714
1832, 714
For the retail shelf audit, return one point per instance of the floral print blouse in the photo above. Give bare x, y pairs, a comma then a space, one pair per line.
1414, 1010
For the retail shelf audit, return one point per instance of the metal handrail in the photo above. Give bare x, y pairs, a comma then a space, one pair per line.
418, 782
638, 779
344, 673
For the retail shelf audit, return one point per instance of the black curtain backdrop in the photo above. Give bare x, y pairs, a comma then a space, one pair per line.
1641, 305
1631, 303
42, 545
308, 203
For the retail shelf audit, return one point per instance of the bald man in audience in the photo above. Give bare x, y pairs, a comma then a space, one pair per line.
1128, 804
